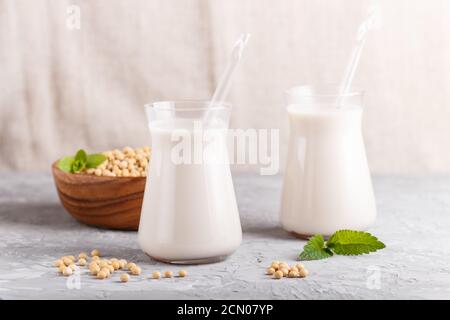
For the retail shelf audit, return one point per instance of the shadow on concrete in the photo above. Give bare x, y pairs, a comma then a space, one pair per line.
273, 232
36, 214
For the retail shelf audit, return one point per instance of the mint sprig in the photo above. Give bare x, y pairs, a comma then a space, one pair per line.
81, 161
315, 249
342, 242
94, 160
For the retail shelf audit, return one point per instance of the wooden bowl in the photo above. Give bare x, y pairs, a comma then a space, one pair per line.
106, 202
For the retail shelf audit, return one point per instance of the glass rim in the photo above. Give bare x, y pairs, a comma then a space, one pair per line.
172, 105
321, 93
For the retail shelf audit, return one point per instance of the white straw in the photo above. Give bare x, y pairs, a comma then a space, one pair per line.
225, 80
365, 27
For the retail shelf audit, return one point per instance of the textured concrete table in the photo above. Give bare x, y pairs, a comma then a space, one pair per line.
414, 222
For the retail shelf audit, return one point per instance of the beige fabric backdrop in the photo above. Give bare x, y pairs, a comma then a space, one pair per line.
62, 89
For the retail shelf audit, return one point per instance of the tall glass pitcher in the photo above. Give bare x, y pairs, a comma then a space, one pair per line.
327, 184
189, 214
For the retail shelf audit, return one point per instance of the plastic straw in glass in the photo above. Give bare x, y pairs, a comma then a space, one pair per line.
365, 27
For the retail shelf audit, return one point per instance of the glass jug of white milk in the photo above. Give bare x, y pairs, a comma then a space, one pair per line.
327, 184
189, 214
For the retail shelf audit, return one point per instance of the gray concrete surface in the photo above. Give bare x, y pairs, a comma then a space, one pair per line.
414, 222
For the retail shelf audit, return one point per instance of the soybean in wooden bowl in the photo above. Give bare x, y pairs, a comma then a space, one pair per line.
101, 201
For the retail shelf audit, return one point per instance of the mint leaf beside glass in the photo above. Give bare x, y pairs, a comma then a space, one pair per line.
342, 242
315, 249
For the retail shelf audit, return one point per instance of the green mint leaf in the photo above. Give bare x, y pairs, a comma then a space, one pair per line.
78, 166
315, 249
94, 160
65, 164
81, 156
351, 243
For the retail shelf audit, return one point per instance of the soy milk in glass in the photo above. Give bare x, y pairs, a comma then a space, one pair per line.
189, 214
327, 184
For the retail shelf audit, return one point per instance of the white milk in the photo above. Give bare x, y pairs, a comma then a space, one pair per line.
327, 184
189, 213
